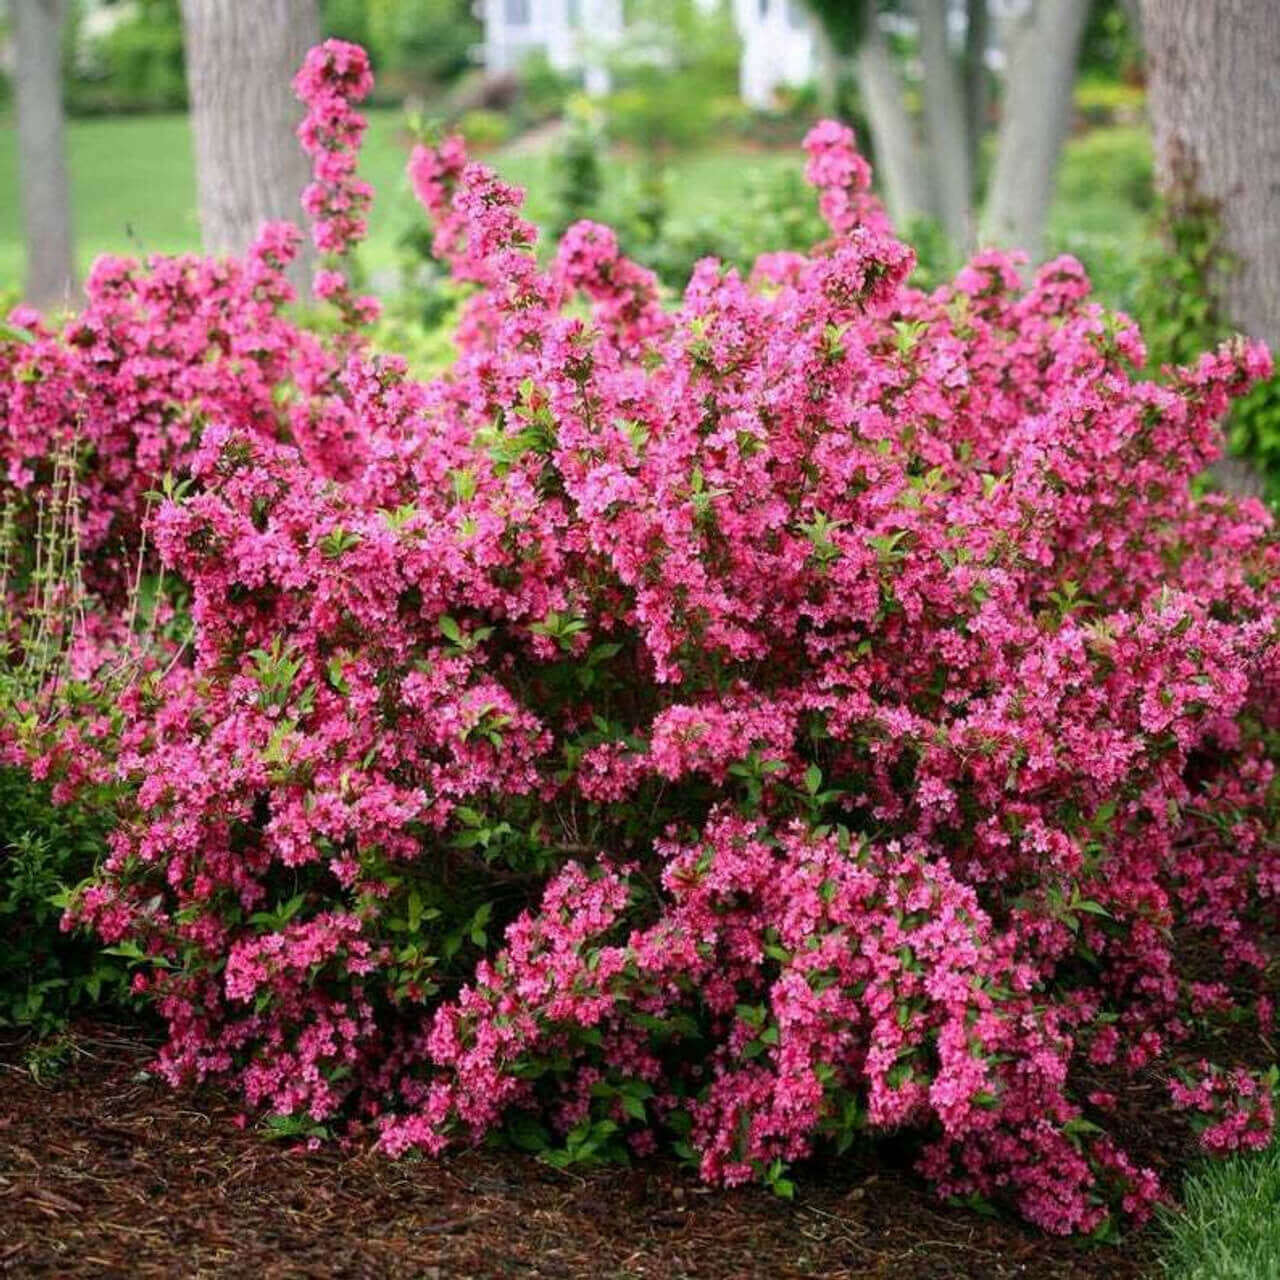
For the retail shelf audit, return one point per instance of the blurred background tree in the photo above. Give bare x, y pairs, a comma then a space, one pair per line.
241, 60
38, 27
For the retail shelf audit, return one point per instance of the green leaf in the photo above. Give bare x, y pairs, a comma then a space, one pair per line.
528, 1133
16, 333
634, 1107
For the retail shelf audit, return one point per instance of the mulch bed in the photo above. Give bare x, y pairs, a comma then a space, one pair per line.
105, 1172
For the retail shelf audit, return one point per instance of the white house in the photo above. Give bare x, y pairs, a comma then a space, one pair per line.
779, 41
574, 34
779, 48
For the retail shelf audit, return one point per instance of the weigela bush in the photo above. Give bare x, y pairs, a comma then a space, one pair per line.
812, 711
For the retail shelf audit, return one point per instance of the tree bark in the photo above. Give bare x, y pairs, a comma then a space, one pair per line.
946, 119
900, 162
977, 97
1214, 76
42, 151
241, 60
828, 72
1042, 51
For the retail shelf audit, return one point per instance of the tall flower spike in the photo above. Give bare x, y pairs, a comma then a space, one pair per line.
333, 77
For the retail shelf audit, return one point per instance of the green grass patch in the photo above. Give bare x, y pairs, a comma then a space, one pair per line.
133, 187
1229, 1226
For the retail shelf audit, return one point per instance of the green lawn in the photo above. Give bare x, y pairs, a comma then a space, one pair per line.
133, 187
133, 190
1229, 1227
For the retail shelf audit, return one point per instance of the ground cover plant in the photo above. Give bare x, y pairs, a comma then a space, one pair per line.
811, 711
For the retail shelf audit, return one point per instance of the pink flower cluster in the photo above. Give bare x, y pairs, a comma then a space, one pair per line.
334, 76
814, 710
1234, 1111
843, 180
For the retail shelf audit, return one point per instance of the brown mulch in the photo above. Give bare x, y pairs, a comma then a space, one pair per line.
105, 1172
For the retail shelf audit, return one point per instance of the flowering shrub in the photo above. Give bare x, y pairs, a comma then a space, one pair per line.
817, 710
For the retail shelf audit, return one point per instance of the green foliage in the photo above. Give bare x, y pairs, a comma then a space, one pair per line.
1229, 1226
137, 65
418, 319
46, 848
1176, 293
1106, 101
660, 111
1102, 209
1110, 48
543, 90
673, 71
577, 173
45, 974
773, 209
935, 255
1178, 306
1253, 432
843, 21
42, 594
415, 45
483, 128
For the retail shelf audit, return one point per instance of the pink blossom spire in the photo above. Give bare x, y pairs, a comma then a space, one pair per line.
333, 77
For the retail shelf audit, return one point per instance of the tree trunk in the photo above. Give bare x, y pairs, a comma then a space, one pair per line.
946, 119
241, 60
828, 73
1214, 75
42, 151
977, 97
900, 163
1036, 115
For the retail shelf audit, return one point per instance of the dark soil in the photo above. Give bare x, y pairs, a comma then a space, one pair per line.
105, 1172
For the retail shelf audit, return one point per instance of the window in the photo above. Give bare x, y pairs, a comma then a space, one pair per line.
764, 8
516, 12
795, 15
573, 11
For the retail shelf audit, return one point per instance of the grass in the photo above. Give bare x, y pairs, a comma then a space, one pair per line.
1229, 1226
133, 190
133, 187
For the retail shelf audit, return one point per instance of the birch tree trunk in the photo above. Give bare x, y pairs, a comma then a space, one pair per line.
241, 60
1042, 50
946, 118
1214, 75
900, 161
42, 151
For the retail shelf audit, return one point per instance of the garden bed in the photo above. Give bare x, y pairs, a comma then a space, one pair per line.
105, 1171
